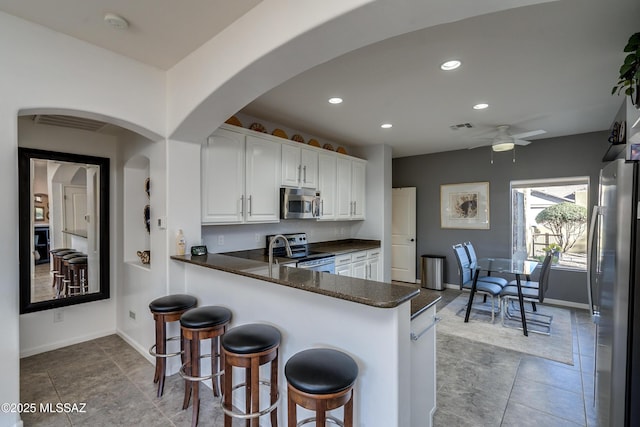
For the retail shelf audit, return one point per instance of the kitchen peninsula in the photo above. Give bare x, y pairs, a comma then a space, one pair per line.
371, 321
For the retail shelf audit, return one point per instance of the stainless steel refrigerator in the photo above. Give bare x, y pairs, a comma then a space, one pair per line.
614, 294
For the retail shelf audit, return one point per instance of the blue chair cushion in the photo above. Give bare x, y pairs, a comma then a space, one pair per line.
321, 371
490, 288
512, 291
500, 281
525, 284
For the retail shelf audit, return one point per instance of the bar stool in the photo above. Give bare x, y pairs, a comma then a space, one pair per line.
77, 275
200, 324
57, 266
65, 272
320, 380
167, 309
250, 346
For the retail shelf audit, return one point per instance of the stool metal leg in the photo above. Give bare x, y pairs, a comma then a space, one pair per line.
274, 389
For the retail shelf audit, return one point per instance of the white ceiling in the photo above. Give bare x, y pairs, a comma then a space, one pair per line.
160, 33
549, 66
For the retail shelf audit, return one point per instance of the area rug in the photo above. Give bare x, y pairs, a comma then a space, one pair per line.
558, 346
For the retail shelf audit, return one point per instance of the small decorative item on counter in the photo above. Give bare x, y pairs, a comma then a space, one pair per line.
328, 147
233, 120
341, 150
181, 243
145, 256
258, 127
314, 143
279, 133
198, 250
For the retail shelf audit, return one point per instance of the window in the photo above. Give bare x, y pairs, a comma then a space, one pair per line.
551, 216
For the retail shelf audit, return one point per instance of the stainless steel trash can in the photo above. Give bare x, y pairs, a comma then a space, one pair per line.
432, 271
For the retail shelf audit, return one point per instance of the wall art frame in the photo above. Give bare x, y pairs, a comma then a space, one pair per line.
465, 206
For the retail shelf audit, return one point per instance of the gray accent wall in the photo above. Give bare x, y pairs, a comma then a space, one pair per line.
576, 155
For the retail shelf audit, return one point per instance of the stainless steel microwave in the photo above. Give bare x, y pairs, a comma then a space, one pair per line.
299, 203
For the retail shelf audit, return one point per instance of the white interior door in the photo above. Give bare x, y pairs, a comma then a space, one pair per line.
75, 200
403, 235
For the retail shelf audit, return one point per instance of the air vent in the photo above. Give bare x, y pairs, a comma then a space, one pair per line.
460, 126
69, 122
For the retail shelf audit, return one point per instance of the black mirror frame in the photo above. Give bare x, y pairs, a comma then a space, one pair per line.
24, 228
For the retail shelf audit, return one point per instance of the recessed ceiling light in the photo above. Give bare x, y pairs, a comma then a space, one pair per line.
481, 106
335, 100
386, 125
450, 65
116, 21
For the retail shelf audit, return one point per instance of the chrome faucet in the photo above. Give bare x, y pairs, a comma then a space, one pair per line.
271, 243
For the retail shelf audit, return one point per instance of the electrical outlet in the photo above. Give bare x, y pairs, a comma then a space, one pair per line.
220, 240
58, 316
132, 315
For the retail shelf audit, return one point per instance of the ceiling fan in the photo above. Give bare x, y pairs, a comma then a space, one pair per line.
504, 141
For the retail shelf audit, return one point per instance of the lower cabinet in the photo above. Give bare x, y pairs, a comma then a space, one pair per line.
343, 265
423, 367
361, 264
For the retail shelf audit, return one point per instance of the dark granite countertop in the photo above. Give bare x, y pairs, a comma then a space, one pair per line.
423, 301
338, 247
368, 292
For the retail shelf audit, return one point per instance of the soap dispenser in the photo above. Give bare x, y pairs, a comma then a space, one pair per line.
181, 244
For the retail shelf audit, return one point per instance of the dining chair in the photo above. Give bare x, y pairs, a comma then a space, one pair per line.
466, 278
530, 294
473, 259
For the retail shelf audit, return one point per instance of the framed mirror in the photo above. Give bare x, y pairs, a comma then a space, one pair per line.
63, 229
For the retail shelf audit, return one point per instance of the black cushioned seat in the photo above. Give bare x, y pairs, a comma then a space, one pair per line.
205, 317
321, 371
252, 338
177, 302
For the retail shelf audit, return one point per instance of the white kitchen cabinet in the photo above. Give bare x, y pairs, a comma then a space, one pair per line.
423, 367
327, 179
299, 166
240, 179
358, 177
350, 192
359, 265
374, 265
223, 177
262, 189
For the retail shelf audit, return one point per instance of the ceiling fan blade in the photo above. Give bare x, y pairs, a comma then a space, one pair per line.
521, 142
480, 145
528, 134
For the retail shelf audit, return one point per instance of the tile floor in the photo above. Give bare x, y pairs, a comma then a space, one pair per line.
478, 385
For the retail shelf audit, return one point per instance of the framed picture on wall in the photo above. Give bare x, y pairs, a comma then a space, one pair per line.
465, 205
38, 214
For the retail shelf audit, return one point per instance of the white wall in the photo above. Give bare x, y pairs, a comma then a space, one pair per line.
46, 71
38, 332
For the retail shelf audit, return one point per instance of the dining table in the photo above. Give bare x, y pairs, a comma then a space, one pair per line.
506, 266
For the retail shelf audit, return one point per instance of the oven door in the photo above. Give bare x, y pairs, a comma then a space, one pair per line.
298, 203
325, 265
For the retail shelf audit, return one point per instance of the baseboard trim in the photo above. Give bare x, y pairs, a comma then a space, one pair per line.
563, 303
59, 344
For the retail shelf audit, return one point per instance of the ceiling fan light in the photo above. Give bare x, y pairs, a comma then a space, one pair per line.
450, 65
503, 146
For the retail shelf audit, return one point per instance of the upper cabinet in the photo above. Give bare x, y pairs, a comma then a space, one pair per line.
243, 170
350, 193
327, 180
240, 179
299, 166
